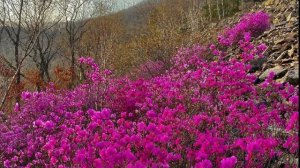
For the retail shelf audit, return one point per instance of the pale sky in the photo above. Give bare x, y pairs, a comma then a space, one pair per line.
122, 4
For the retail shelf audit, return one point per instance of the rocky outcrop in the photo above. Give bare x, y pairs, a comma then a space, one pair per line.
282, 39
283, 52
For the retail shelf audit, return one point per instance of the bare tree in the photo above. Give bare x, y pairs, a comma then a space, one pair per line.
11, 20
28, 48
100, 39
44, 52
46, 47
22, 20
75, 19
76, 14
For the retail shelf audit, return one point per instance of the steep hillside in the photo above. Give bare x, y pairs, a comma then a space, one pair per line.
282, 55
155, 29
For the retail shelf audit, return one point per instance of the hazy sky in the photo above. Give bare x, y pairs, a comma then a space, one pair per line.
122, 4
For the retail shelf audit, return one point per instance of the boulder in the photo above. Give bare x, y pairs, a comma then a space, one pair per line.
257, 64
293, 76
278, 70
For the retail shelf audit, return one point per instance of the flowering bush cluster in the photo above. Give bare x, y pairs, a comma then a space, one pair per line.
198, 114
254, 23
149, 69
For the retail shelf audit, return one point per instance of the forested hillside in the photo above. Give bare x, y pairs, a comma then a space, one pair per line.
164, 83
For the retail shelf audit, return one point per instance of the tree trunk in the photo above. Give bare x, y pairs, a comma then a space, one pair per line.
210, 13
218, 9
18, 75
73, 76
223, 10
17, 43
47, 73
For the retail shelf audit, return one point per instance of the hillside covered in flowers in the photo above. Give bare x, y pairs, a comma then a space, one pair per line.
205, 111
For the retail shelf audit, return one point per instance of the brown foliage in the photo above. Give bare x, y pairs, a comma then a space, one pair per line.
34, 78
5, 71
62, 77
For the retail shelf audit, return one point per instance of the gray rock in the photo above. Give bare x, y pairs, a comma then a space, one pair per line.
293, 76
278, 70
257, 64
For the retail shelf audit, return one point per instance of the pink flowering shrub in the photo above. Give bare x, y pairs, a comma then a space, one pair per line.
253, 23
149, 69
198, 114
